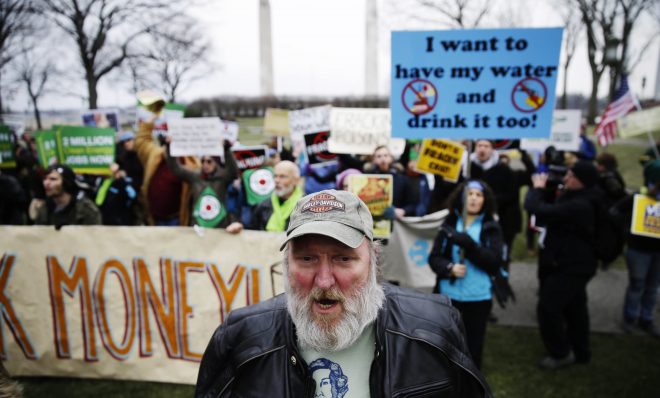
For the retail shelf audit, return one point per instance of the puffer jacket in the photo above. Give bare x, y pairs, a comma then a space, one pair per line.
420, 351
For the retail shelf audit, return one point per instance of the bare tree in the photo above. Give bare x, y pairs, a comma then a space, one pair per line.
17, 20
572, 33
105, 31
34, 72
450, 13
177, 58
605, 21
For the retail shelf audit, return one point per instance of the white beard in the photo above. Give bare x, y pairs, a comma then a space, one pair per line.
359, 311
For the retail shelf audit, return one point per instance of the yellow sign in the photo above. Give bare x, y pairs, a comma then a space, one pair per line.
276, 122
375, 190
441, 157
646, 217
640, 122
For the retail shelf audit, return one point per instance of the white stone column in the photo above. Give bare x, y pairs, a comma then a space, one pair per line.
265, 49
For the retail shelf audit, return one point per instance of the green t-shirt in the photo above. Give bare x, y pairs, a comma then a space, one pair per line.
343, 374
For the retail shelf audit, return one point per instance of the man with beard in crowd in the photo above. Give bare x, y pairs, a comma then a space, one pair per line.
378, 340
273, 213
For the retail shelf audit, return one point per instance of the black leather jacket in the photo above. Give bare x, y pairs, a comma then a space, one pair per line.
420, 352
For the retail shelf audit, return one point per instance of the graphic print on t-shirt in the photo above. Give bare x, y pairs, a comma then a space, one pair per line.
329, 379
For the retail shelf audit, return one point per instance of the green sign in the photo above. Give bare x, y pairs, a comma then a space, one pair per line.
46, 147
87, 150
7, 156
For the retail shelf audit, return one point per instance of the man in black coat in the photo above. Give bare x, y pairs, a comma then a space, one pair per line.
569, 260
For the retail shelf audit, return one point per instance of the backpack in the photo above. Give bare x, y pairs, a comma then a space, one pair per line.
609, 236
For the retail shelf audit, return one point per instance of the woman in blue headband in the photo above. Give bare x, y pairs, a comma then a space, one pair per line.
467, 250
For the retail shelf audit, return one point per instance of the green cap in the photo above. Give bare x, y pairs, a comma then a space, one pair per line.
340, 215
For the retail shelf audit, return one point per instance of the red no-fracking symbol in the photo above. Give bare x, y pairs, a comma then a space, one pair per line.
421, 94
319, 139
529, 95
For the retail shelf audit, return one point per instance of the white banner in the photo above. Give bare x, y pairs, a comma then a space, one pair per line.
200, 136
565, 133
135, 303
405, 258
646, 121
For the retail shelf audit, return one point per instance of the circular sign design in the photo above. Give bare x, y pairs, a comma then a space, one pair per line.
262, 182
419, 97
529, 95
322, 138
209, 207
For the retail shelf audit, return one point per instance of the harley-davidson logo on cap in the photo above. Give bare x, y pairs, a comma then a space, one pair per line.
323, 203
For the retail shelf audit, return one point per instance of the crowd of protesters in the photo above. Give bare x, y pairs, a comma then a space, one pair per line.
567, 194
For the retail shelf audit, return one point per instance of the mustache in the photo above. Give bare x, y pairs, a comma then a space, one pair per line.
334, 294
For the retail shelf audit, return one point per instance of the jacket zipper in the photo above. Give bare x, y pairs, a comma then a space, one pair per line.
243, 363
425, 389
486, 390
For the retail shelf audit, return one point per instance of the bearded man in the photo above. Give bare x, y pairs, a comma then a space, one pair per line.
337, 331
273, 213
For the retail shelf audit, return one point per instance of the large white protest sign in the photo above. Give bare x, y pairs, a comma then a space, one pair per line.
564, 135
132, 303
358, 131
200, 136
309, 120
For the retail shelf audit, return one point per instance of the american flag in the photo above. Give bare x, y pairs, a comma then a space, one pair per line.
623, 102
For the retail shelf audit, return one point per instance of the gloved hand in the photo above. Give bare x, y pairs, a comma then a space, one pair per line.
388, 214
458, 238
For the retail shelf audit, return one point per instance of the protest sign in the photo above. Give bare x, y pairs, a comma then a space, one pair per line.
276, 122
646, 217
375, 190
199, 136
646, 121
316, 149
485, 83
259, 184
250, 157
46, 147
309, 120
405, 257
7, 144
138, 303
358, 131
170, 112
441, 157
87, 150
564, 135
105, 118
229, 130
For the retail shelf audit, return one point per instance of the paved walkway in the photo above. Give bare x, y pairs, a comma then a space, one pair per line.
605, 292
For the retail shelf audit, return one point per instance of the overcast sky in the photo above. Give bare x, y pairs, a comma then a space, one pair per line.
318, 49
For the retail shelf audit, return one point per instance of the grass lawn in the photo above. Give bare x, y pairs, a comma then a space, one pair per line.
622, 366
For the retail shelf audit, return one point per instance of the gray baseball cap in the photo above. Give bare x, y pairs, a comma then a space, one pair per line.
340, 215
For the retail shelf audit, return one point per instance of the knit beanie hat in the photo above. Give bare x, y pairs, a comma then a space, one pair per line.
68, 177
586, 172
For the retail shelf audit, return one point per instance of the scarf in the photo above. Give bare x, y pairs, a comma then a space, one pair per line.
490, 162
281, 212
